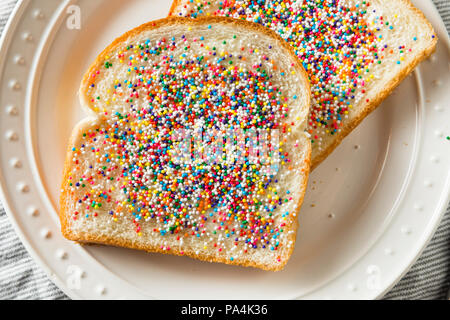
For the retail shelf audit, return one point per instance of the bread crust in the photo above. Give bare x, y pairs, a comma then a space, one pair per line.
374, 103
65, 192
189, 22
127, 243
175, 4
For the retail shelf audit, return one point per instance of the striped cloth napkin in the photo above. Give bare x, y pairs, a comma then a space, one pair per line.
21, 278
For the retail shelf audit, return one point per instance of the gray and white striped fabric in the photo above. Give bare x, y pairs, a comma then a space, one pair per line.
21, 278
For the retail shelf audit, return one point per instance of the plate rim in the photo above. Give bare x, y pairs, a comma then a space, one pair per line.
13, 19
4, 46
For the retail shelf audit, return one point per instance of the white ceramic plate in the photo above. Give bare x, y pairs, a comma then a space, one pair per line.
370, 209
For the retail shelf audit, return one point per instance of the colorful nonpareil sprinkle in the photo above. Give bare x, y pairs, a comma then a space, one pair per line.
133, 147
336, 40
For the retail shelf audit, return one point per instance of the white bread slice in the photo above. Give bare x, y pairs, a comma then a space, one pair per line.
110, 162
409, 38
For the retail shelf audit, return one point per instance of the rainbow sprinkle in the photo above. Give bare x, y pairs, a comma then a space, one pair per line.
215, 202
336, 41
